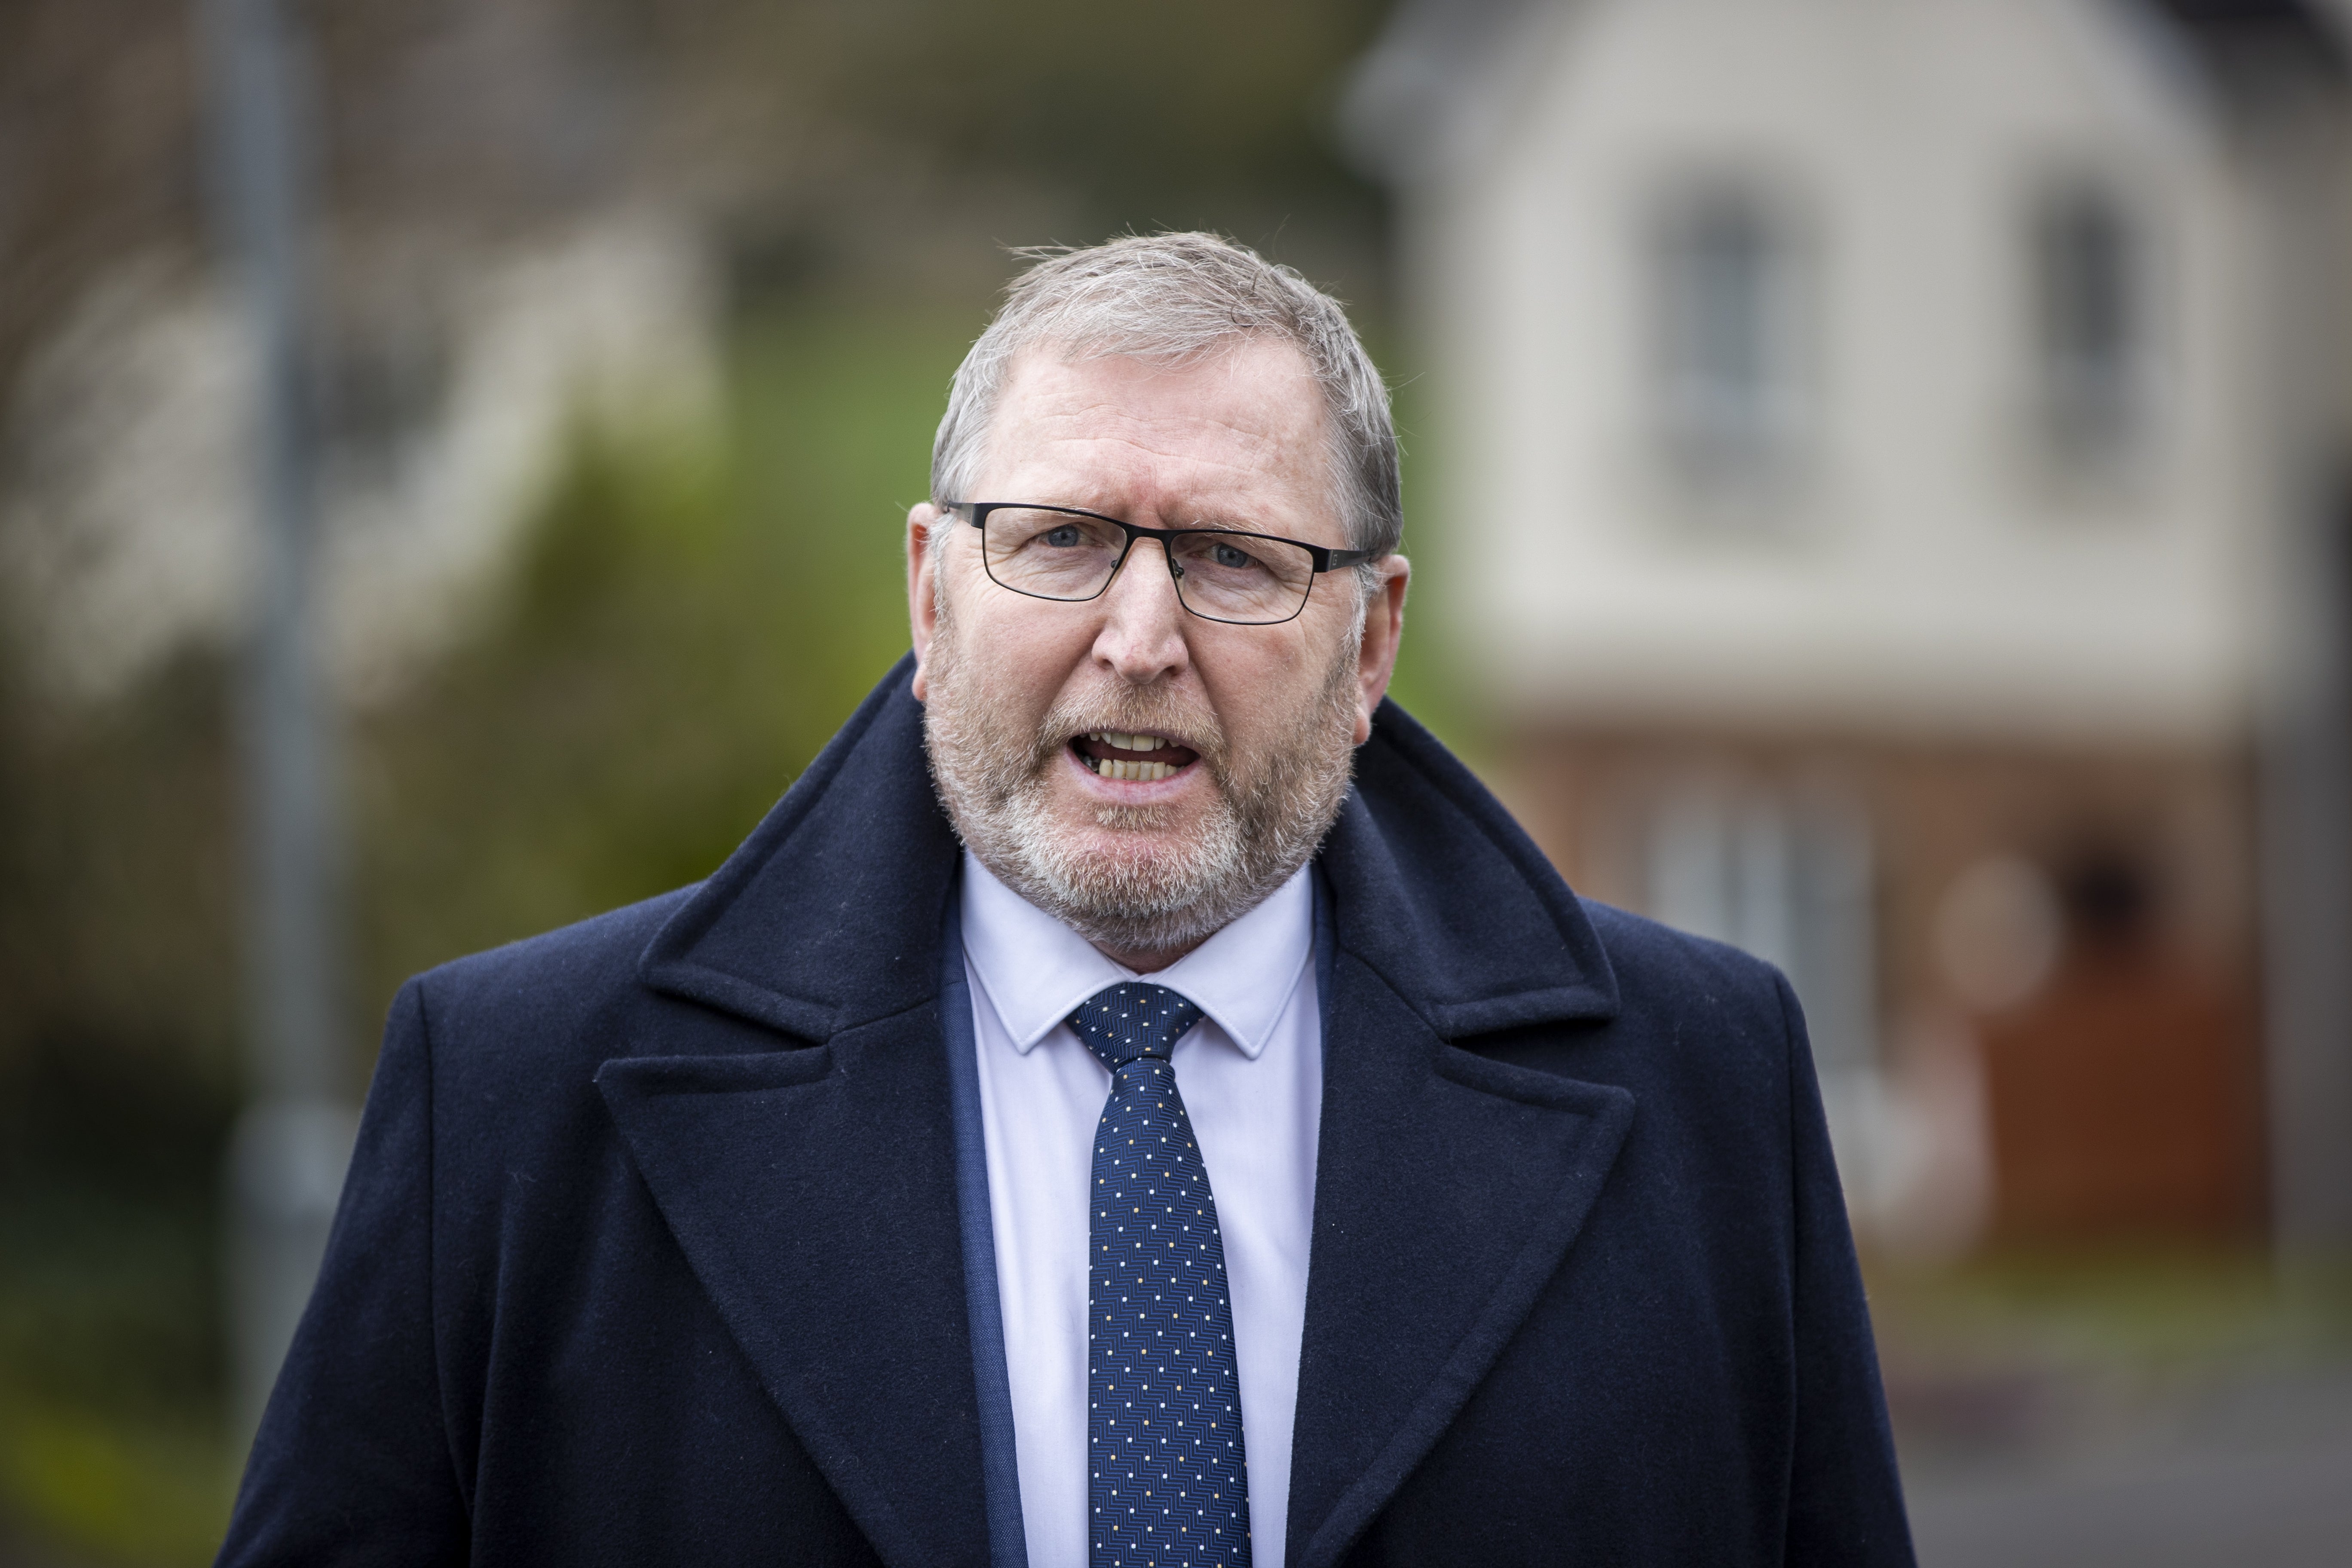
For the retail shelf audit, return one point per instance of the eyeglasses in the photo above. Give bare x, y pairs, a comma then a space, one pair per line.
1221, 574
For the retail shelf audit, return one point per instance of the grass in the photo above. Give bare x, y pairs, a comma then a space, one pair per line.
113, 1441
116, 1489
2120, 1307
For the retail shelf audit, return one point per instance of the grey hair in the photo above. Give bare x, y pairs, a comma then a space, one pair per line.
1177, 298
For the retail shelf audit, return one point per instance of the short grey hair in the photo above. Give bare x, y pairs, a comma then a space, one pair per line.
1177, 298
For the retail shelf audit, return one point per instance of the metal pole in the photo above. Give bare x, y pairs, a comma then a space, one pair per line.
2300, 143
292, 1142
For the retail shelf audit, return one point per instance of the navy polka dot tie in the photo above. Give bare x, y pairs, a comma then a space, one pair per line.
1165, 1409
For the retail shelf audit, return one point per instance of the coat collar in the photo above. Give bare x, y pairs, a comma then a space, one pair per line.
1442, 894
829, 915
813, 1192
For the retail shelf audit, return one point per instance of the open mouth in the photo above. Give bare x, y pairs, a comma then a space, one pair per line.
1133, 758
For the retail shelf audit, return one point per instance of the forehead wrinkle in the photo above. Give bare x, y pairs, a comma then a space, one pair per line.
1123, 416
1148, 457
1246, 467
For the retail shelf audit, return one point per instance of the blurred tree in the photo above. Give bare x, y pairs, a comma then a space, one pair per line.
1153, 115
688, 627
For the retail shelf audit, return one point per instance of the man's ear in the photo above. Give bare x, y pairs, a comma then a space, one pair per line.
1384, 630
922, 590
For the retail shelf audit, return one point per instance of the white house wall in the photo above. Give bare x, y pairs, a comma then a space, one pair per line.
1921, 571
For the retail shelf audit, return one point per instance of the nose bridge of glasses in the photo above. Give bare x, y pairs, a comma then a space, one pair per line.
1166, 539
1136, 537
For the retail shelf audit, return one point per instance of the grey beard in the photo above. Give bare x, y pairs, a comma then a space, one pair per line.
1167, 895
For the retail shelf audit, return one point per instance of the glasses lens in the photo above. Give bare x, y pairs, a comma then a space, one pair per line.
1242, 577
1051, 554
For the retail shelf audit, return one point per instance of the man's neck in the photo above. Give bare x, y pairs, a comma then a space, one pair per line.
1147, 961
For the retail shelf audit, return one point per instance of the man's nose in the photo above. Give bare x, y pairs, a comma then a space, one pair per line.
1143, 629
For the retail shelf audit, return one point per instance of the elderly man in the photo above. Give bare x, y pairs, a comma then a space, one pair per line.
1136, 1099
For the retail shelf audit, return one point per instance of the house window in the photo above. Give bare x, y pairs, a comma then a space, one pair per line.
2090, 324
1730, 379
1787, 878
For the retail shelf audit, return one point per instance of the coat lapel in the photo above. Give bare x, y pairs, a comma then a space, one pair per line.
812, 1192
1448, 1187
807, 1167
1447, 1190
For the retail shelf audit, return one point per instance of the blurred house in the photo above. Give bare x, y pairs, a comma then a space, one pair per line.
1870, 462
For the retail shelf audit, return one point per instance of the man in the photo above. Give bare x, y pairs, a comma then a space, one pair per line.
1136, 1099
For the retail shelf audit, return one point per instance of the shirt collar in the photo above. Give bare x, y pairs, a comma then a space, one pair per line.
1036, 970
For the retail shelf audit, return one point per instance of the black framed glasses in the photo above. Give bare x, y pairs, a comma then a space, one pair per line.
1221, 574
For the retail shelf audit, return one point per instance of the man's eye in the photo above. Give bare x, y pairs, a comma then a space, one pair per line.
1234, 560
1063, 537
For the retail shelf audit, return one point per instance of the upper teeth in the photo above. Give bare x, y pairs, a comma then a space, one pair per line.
1126, 742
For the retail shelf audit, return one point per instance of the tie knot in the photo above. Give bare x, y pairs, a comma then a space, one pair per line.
1131, 1020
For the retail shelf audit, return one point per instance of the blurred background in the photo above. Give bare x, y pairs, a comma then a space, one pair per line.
1877, 473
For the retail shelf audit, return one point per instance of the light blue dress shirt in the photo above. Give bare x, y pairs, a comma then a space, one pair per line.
1251, 1077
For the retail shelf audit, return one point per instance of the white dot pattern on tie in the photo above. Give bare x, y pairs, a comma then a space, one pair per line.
1169, 1478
